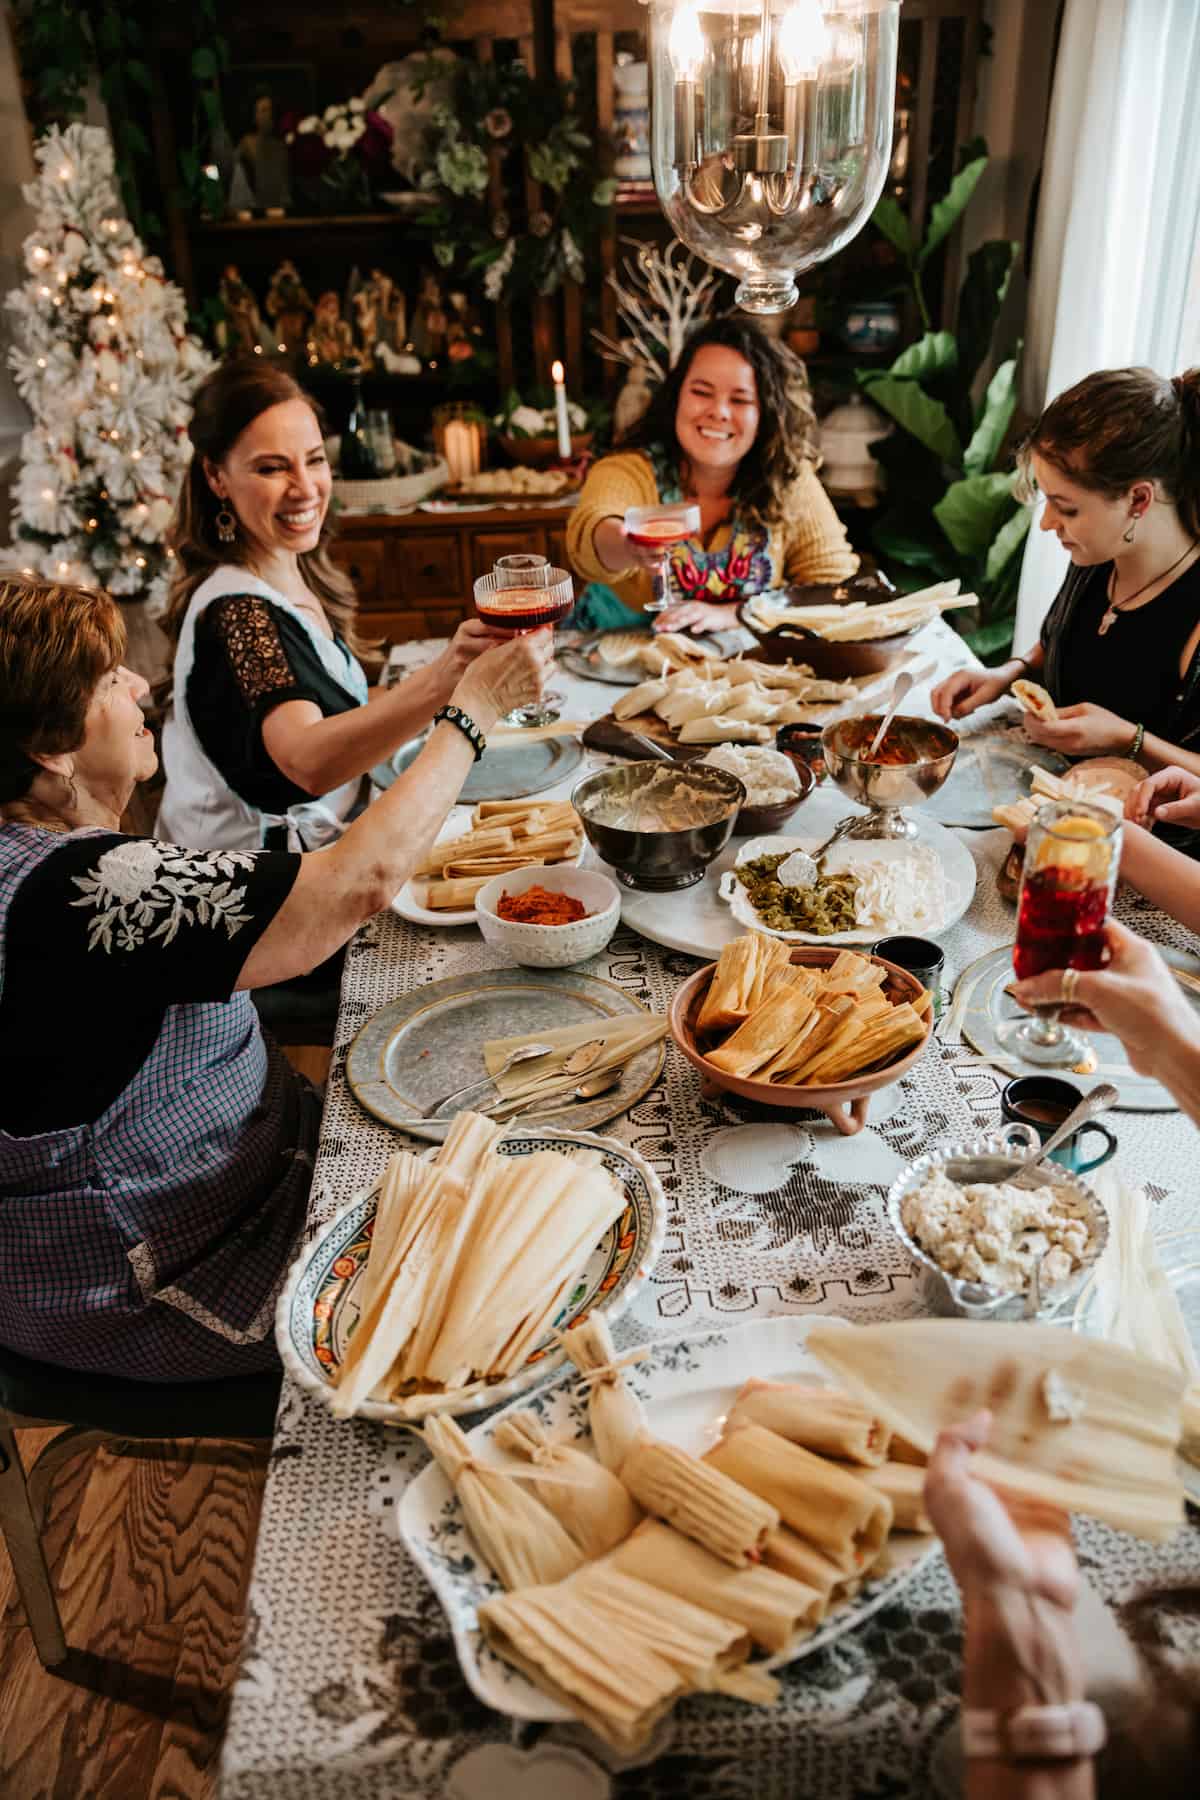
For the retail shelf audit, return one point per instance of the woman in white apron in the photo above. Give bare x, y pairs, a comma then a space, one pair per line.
272, 727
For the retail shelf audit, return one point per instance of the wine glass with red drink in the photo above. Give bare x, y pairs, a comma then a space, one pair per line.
1072, 854
659, 528
523, 593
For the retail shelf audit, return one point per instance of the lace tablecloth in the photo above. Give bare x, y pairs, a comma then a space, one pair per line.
350, 1689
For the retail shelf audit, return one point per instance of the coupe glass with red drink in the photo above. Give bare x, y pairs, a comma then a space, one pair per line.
659, 528
1072, 855
523, 593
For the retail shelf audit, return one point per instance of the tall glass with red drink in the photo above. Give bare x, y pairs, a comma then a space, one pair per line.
659, 527
523, 593
1072, 855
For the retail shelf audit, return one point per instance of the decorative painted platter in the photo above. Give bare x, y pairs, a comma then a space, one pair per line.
506, 773
992, 768
318, 1308
697, 921
687, 1384
426, 1043
409, 907
985, 1006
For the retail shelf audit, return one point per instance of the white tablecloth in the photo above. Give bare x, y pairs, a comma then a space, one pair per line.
350, 1689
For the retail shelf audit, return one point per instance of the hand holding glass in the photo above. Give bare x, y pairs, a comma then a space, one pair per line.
658, 528
523, 593
1072, 855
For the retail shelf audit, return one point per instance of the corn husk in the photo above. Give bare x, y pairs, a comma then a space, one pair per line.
793, 1556
704, 1650
1113, 1459
615, 1415
818, 1418
904, 1485
590, 1647
775, 1610
765, 1033
844, 1518
738, 980
810, 1042
594, 1508
640, 699
469, 843
699, 1500
901, 1450
520, 1541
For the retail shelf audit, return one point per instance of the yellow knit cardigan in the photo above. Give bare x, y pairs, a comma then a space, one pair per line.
806, 543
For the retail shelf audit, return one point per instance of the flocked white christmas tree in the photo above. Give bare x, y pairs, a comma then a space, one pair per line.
107, 367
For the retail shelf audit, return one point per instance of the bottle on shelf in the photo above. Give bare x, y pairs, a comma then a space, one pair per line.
357, 461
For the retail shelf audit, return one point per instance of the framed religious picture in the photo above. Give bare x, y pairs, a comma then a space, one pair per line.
263, 102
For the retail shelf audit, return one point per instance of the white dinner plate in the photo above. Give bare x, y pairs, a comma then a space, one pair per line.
687, 1385
409, 907
697, 921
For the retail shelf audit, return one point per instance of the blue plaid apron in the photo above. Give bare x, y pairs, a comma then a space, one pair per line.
152, 1243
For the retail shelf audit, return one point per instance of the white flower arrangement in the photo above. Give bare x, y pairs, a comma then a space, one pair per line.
535, 421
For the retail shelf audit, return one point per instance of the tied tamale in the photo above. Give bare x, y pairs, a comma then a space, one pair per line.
699, 1500
1108, 1451
590, 1503
615, 1413
840, 1514
774, 1609
818, 1418
520, 1541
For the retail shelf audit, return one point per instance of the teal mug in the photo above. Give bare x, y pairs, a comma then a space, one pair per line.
1044, 1101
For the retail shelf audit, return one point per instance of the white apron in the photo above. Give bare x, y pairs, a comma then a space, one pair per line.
199, 809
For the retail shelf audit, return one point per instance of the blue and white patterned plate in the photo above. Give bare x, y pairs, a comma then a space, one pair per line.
687, 1385
318, 1308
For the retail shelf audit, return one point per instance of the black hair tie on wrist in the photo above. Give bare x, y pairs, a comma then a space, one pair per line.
454, 715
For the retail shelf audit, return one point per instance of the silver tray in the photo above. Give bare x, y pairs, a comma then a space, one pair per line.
991, 769
988, 1006
425, 1044
508, 772
998, 1156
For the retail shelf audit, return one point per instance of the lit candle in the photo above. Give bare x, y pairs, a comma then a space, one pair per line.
459, 449
560, 412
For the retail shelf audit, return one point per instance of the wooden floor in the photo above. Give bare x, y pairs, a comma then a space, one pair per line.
151, 1561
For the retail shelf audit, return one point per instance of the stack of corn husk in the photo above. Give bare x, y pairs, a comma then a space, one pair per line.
1018, 815
504, 835
856, 620
764, 1019
471, 1259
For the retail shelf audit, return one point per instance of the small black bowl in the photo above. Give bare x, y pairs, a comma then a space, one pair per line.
659, 860
758, 821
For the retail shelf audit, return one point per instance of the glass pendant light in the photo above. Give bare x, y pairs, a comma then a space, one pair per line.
771, 130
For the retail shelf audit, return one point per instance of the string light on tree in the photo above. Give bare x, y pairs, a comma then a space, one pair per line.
103, 357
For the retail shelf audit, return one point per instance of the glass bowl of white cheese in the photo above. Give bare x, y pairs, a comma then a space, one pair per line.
988, 1248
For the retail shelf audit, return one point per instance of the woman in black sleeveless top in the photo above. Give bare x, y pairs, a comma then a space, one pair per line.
1117, 461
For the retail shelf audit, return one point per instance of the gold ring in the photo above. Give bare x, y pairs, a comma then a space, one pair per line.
1070, 982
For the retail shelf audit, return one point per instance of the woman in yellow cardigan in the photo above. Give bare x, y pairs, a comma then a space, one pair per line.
732, 428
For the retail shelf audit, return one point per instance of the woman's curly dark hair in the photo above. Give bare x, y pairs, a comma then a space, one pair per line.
787, 425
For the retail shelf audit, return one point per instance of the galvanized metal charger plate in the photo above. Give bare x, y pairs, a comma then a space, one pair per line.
507, 773
990, 770
987, 1006
424, 1044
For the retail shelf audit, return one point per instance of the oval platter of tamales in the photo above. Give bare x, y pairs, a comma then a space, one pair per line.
795, 1514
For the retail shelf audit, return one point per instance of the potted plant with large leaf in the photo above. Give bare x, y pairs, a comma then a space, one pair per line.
951, 506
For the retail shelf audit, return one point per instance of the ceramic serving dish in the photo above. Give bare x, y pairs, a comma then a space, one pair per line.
997, 1156
551, 946
318, 1308
845, 1103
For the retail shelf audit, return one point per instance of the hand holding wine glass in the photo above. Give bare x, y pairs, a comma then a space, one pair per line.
655, 529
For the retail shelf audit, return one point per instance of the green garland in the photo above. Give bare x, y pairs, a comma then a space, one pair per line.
500, 114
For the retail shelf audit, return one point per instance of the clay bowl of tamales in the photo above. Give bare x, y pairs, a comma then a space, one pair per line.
802, 1029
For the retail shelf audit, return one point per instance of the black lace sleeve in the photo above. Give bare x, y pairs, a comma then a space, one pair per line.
244, 626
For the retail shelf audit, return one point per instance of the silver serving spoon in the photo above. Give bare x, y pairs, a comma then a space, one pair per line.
904, 682
1101, 1099
524, 1053
806, 864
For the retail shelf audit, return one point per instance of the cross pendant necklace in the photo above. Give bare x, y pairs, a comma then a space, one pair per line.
1117, 607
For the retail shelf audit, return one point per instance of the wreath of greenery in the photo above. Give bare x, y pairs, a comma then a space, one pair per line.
501, 119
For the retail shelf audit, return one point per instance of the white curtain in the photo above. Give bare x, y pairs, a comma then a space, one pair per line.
1116, 272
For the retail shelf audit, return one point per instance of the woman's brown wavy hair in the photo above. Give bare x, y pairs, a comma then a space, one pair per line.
787, 425
226, 403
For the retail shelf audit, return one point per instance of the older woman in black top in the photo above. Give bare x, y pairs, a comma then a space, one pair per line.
1117, 462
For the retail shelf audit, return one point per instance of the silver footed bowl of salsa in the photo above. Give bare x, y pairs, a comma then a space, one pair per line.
912, 761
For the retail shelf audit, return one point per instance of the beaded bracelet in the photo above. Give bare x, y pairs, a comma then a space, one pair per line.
454, 715
1136, 747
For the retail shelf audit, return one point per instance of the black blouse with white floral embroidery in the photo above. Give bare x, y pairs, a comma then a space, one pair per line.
102, 937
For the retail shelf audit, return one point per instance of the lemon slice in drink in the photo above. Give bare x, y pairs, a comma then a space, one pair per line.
1086, 846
